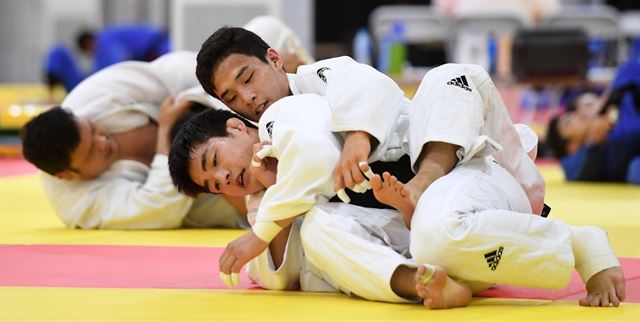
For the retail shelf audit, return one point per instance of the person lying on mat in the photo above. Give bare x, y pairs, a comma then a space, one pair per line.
125, 101
213, 153
372, 234
455, 116
601, 142
104, 153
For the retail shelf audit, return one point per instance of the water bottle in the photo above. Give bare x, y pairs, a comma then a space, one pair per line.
398, 51
362, 46
392, 52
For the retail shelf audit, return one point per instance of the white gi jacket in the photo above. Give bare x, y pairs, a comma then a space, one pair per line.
131, 195
455, 103
360, 99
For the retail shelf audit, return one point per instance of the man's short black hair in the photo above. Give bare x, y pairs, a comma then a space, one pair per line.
197, 130
49, 139
224, 42
554, 140
195, 109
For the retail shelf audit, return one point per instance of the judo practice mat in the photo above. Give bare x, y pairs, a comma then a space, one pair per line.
51, 273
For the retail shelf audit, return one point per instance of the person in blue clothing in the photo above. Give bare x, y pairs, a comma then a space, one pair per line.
61, 67
111, 45
602, 144
126, 42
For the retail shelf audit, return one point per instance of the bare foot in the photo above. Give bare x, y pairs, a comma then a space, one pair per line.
388, 190
605, 288
438, 290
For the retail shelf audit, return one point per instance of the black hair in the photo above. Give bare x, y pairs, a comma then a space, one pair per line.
197, 130
49, 139
554, 140
195, 109
224, 42
83, 39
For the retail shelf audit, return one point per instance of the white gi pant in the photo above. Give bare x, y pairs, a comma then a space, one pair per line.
356, 249
477, 224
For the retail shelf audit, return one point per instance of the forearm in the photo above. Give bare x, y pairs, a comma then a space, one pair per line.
163, 144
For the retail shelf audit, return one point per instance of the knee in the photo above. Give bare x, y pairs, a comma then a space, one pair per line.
433, 241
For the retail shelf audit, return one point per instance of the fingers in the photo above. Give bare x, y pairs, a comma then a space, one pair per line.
226, 279
366, 169
229, 268
232, 280
168, 101
354, 177
343, 196
265, 150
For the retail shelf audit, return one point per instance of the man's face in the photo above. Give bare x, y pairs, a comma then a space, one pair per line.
248, 85
221, 164
573, 127
95, 153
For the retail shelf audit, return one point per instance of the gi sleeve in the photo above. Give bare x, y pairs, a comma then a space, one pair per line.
286, 277
361, 98
115, 202
307, 153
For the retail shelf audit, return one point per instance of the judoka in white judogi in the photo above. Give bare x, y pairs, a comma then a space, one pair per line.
508, 196
132, 195
307, 152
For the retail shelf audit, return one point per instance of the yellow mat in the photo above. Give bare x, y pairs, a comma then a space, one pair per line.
26, 218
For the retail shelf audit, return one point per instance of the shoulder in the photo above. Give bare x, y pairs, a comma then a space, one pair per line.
295, 113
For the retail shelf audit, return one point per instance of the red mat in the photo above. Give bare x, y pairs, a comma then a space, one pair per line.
188, 267
15, 166
112, 267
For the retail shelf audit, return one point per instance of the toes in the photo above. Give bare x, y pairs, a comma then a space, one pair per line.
419, 272
621, 291
614, 300
399, 186
583, 302
376, 182
428, 303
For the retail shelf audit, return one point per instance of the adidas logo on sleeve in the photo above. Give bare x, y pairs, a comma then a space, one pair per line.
460, 81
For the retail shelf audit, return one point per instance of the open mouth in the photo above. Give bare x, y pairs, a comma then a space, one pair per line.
260, 110
241, 178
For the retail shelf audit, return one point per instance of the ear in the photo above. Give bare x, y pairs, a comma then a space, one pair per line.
274, 57
236, 124
67, 175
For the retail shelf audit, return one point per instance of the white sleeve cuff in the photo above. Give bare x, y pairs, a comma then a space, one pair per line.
266, 230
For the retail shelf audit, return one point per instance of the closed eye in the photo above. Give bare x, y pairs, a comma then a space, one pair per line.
249, 79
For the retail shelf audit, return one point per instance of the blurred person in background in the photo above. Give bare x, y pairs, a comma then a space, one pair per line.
104, 152
112, 44
145, 43
598, 138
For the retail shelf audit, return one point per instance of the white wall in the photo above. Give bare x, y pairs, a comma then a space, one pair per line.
28, 28
194, 20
